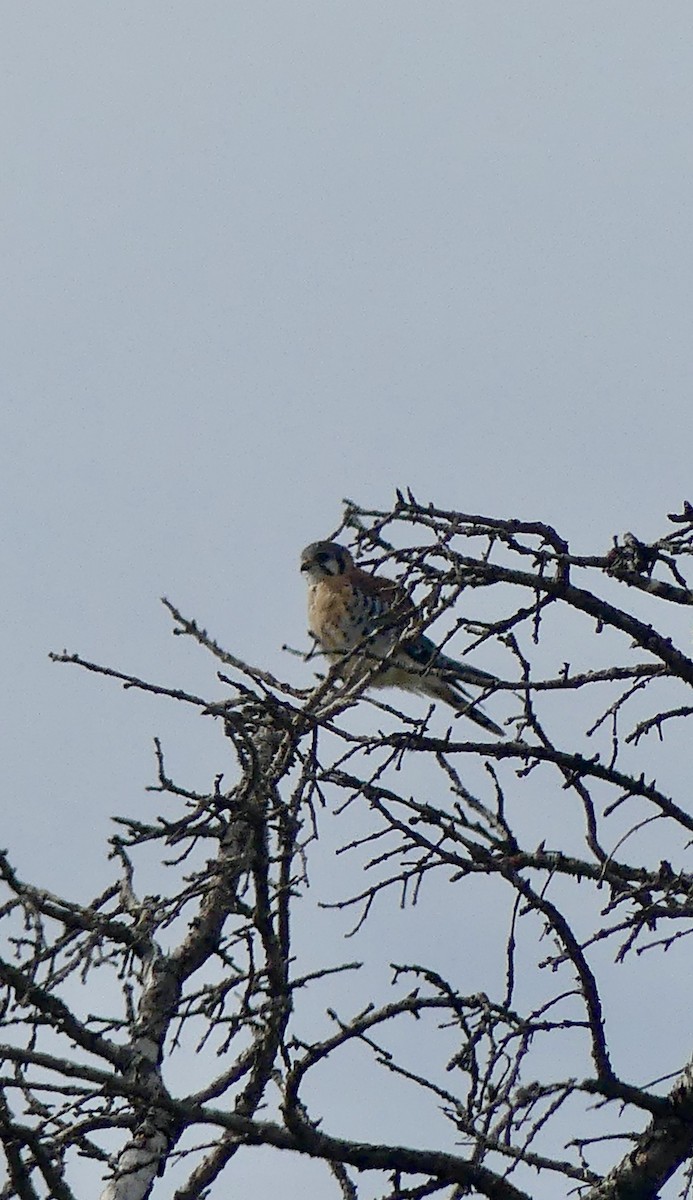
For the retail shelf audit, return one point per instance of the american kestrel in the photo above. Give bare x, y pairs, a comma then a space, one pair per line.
350, 610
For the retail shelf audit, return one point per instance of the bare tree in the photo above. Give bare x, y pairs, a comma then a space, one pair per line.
538, 1086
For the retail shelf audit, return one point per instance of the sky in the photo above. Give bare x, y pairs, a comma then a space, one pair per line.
261, 256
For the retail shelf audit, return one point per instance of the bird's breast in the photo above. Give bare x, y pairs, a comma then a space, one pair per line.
339, 617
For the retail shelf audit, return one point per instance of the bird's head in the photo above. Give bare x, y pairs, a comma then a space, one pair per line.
325, 558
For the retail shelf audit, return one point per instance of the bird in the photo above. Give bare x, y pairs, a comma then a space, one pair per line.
364, 618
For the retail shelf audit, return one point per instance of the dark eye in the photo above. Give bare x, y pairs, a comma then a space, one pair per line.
322, 558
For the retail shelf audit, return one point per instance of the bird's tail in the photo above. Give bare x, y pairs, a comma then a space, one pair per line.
476, 713
445, 676
457, 697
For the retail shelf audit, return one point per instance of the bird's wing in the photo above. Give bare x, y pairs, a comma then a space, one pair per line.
386, 610
380, 617
392, 610
389, 602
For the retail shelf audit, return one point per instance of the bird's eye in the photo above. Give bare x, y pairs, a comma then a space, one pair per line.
322, 558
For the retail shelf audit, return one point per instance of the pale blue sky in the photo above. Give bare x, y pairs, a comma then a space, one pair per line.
259, 256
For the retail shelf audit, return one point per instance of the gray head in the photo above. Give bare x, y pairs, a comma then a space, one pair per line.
321, 559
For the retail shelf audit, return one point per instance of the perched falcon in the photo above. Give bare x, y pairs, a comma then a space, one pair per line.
350, 610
